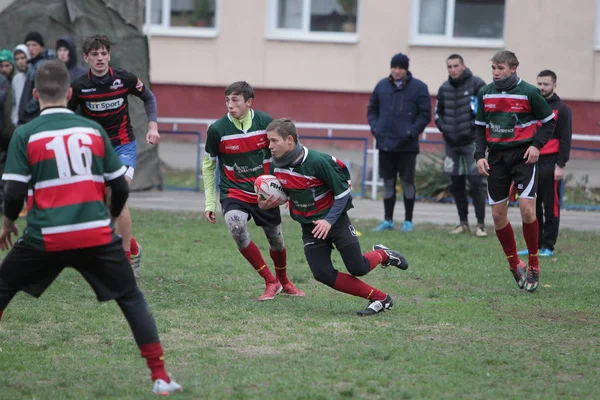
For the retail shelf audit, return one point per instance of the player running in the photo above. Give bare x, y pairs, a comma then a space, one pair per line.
102, 96
239, 142
318, 187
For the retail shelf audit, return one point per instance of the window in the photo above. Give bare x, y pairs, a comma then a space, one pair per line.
314, 20
478, 23
181, 17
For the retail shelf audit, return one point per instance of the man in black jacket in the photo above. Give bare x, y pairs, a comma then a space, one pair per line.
455, 118
551, 166
398, 112
29, 108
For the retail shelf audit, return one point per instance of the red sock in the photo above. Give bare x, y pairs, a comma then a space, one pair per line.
375, 258
133, 244
153, 353
280, 260
128, 254
352, 285
1, 314
531, 234
252, 254
506, 236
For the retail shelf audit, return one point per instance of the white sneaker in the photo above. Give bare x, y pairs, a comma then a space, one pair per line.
136, 262
163, 388
462, 228
481, 232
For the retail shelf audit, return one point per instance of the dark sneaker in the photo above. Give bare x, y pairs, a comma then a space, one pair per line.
395, 258
519, 274
377, 306
533, 279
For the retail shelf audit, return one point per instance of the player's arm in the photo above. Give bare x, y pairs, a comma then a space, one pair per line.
480, 140
118, 195
543, 112
331, 173
17, 175
137, 88
209, 174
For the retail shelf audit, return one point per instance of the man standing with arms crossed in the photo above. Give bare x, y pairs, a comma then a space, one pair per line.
455, 117
102, 95
513, 121
553, 159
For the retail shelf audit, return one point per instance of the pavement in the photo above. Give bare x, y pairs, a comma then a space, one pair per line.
424, 213
183, 155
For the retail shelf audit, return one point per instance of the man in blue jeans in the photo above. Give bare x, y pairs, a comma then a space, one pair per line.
399, 110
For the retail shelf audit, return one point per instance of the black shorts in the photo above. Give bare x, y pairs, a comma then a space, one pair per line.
268, 218
105, 268
392, 164
341, 234
507, 166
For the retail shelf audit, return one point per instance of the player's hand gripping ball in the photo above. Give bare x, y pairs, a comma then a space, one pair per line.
267, 185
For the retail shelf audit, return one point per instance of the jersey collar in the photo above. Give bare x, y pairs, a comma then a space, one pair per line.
56, 110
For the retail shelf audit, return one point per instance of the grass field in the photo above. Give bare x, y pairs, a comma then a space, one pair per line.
460, 328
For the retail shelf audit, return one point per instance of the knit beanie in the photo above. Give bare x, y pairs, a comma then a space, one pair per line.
36, 37
7, 55
399, 60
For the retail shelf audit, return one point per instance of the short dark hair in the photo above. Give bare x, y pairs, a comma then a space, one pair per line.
456, 57
506, 57
240, 87
52, 81
284, 127
95, 42
549, 73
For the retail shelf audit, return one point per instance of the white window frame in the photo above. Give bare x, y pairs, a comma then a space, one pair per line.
304, 34
165, 29
447, 40
597, 32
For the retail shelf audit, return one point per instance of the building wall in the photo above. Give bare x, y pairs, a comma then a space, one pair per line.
543, 33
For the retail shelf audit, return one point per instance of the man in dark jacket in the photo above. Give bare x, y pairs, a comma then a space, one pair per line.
551, 166
399, 110
66, 51
29, 108
455, 118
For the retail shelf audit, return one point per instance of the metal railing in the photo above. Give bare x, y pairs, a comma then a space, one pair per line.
374, 182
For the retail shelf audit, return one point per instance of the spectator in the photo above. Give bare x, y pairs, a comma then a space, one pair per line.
7, 64
66, 52
6, 128
9, 70
551, 166
399, 110
21, 56
455, 118
29, 108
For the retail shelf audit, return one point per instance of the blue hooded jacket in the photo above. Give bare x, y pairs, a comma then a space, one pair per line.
397, 115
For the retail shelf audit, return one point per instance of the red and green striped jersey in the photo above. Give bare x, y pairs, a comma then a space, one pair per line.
65, 160
243, 155
314, 185
511, 118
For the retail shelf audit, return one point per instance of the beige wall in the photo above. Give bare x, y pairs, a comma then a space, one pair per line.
543, 33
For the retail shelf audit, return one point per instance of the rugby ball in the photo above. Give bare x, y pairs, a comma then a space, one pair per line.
267, 185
